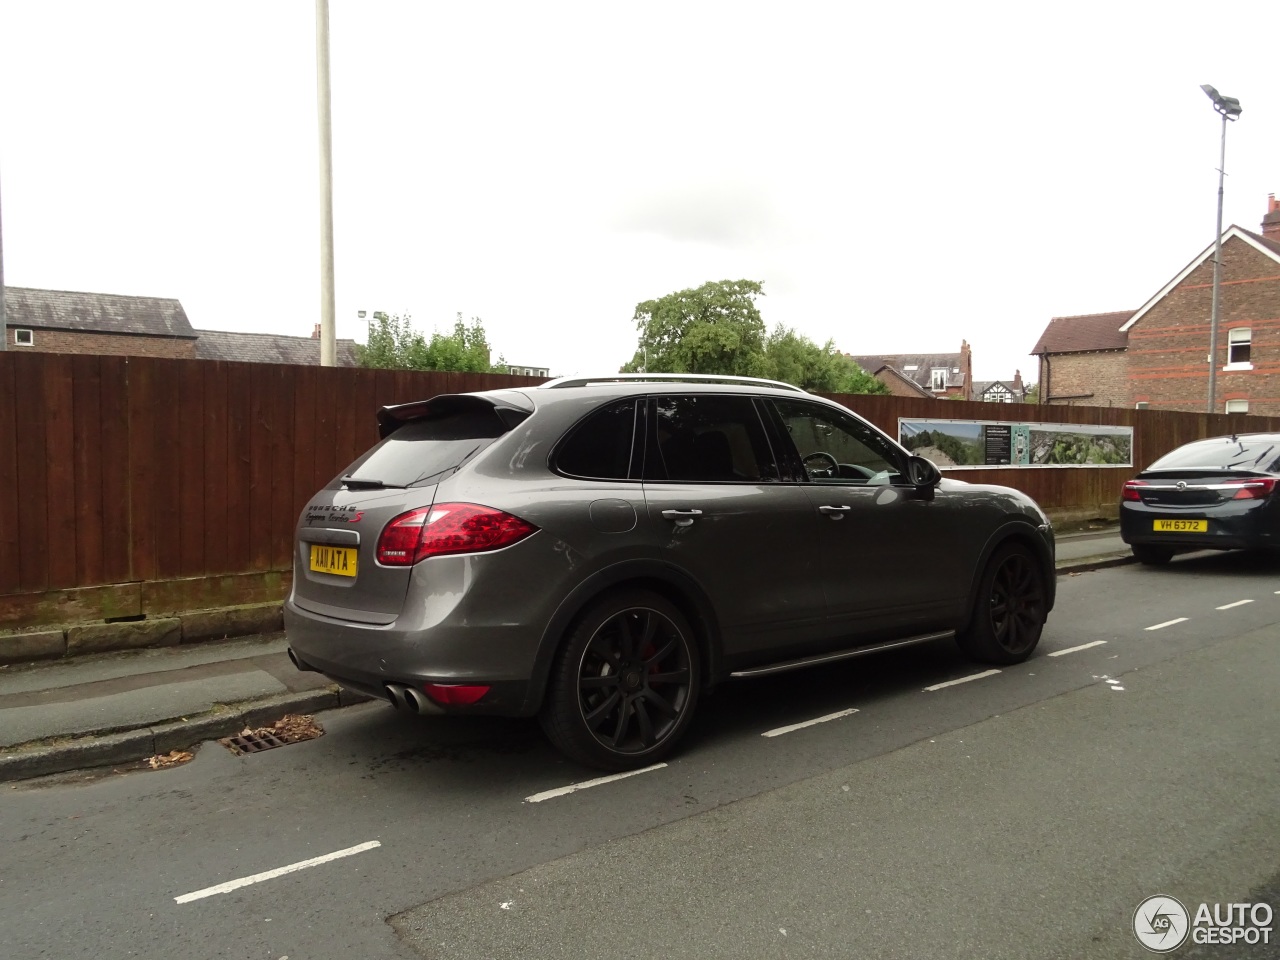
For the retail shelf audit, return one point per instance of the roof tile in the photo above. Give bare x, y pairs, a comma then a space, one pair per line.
96, 313
1085, 333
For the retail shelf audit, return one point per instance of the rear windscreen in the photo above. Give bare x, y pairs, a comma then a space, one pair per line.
423, 450
1247, 453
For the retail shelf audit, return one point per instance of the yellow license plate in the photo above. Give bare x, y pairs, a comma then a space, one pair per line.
1182, 526
336, 560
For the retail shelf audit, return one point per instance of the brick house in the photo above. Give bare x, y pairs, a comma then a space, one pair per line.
923, 374
63, 321
1001, 391
1169, 335
1155, 357
1083, 361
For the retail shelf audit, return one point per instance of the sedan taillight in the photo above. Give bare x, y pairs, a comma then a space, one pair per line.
1253, 488
448, 528
1132, 490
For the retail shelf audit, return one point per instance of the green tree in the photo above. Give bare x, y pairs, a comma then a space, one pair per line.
717, 329
795, 358
1031, 393
394, 343
713, 329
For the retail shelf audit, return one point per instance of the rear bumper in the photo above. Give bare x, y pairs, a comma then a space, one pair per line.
1247, 525
366, 658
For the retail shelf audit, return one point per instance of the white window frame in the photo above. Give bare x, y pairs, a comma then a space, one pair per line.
1236, 406
938, 375
19, 342
1239, 337
999, 394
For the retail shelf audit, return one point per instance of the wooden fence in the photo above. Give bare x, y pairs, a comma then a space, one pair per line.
131, 469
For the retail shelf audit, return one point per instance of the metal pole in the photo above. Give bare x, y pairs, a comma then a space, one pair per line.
1217, 276
328, 338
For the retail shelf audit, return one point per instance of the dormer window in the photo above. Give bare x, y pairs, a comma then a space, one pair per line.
938, 378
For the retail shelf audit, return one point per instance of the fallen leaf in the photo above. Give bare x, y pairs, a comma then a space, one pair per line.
170, 759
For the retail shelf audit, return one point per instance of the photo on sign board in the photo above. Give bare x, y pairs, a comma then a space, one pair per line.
977, 443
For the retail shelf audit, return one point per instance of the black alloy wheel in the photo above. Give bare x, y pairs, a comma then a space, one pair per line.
1011, 609
625, 684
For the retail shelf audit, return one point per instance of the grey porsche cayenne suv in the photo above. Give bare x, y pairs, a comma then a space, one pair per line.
599, 553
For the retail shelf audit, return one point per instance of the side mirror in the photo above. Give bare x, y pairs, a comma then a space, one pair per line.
922, 473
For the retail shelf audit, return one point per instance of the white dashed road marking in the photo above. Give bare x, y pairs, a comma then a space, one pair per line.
585, 784
1228, 606
278, 872
952, 683
808, 723
1083, 646
1167, 623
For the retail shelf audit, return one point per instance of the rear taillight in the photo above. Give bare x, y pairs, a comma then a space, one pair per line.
455, 694
1132, 490
448, 528
1252, 488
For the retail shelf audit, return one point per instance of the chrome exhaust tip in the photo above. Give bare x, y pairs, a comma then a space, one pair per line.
419, 702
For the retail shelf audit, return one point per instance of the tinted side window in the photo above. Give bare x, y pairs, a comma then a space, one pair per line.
836, 447
710, 438
599, 447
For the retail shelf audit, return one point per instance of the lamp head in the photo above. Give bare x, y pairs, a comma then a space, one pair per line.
1229, 107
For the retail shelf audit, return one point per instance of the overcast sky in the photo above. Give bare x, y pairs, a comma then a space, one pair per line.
900, 175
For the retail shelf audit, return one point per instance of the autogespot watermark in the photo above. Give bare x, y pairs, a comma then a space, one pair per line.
1162, 924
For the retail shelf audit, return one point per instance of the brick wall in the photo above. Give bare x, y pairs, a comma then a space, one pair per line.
1168, 346
1086, 380
103, 344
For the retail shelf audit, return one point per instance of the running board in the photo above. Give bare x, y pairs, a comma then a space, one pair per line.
842, 655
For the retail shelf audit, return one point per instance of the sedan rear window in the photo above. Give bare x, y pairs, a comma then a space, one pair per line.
422, 450
1224, 453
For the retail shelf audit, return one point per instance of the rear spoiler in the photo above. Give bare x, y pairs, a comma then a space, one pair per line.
509, 406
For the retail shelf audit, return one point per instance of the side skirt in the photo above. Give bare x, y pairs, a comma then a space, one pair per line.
803, 662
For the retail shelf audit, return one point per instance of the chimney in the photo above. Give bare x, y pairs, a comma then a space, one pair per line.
966, 370
315, 334
1271, 222
1017, 380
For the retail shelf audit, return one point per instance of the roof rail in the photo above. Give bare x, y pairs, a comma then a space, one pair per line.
668, 378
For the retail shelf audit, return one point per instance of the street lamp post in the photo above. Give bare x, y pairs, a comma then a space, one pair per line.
1229, 107
328, 324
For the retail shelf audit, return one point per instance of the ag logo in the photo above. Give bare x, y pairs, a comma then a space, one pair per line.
1161, 924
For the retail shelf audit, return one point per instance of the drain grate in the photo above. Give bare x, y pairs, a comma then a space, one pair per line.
252, 743
291, 728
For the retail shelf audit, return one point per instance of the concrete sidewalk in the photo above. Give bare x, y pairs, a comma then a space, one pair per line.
118, 708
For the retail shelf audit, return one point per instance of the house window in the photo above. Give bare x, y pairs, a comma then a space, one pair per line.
998, 394
938, 378
1238, 343
24, 338
1237, 406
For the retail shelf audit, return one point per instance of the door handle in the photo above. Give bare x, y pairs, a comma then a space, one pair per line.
682, 518
835, 513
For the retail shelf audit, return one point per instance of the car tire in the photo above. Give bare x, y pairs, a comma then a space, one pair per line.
624, 684
1151, 556
1011, 608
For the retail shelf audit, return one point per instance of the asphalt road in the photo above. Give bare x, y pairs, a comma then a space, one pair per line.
1024, 813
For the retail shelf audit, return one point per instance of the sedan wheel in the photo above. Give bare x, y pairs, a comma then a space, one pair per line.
625, 683
1011, 609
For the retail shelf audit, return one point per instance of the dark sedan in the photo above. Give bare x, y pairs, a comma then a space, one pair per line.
1216, 494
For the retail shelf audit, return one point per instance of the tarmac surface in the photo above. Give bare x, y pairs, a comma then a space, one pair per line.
116, 708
